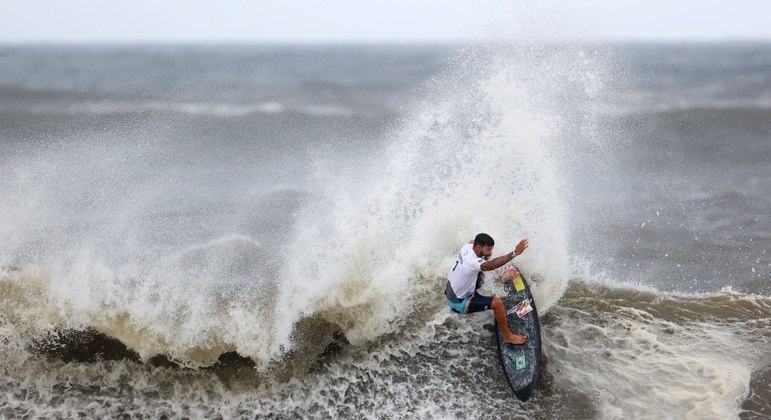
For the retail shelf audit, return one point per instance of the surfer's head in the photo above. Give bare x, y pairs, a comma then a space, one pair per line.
483, 245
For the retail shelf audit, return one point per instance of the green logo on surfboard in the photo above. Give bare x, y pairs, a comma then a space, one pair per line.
520, 362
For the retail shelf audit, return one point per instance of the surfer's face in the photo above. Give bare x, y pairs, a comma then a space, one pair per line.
483, 251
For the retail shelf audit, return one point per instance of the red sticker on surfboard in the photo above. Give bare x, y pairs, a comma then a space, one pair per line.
523, 308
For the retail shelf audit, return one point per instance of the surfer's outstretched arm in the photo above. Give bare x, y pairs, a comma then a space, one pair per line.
504, 259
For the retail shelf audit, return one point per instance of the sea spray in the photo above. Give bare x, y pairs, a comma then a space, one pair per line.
481, 150
183, 228
482, 146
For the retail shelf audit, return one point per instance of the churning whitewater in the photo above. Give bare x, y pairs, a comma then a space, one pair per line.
257, 238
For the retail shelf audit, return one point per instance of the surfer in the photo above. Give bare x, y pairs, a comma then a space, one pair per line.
466, 277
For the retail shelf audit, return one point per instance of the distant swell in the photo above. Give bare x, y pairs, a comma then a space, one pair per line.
222, 110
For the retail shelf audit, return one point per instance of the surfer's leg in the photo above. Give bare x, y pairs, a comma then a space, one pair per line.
500, 317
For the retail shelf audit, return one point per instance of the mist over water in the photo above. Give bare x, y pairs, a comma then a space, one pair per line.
280, 222
461, 163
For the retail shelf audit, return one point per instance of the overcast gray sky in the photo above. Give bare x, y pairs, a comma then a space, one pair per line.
380, 21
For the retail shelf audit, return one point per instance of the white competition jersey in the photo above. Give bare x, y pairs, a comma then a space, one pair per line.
464, 272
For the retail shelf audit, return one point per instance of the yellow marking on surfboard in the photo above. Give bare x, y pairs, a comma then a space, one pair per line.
519, 285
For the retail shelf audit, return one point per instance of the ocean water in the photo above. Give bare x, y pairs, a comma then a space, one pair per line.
263, 231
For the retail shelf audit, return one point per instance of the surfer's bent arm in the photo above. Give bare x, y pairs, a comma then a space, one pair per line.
497, 262
504, 259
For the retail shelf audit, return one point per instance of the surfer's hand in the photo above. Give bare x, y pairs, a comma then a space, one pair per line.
509, 274
521, 247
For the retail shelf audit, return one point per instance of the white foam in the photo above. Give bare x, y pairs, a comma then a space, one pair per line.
635, 364
481, 151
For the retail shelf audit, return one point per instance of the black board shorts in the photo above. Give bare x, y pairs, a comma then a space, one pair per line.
471, 304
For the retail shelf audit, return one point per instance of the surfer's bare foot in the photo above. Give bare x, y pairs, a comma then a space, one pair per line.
514, 339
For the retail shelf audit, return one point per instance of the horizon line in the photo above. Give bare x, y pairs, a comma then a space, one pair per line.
374, 42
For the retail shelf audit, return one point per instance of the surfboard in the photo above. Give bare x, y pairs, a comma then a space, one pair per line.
521, 364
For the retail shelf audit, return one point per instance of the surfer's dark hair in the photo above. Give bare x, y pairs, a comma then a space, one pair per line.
484, 240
